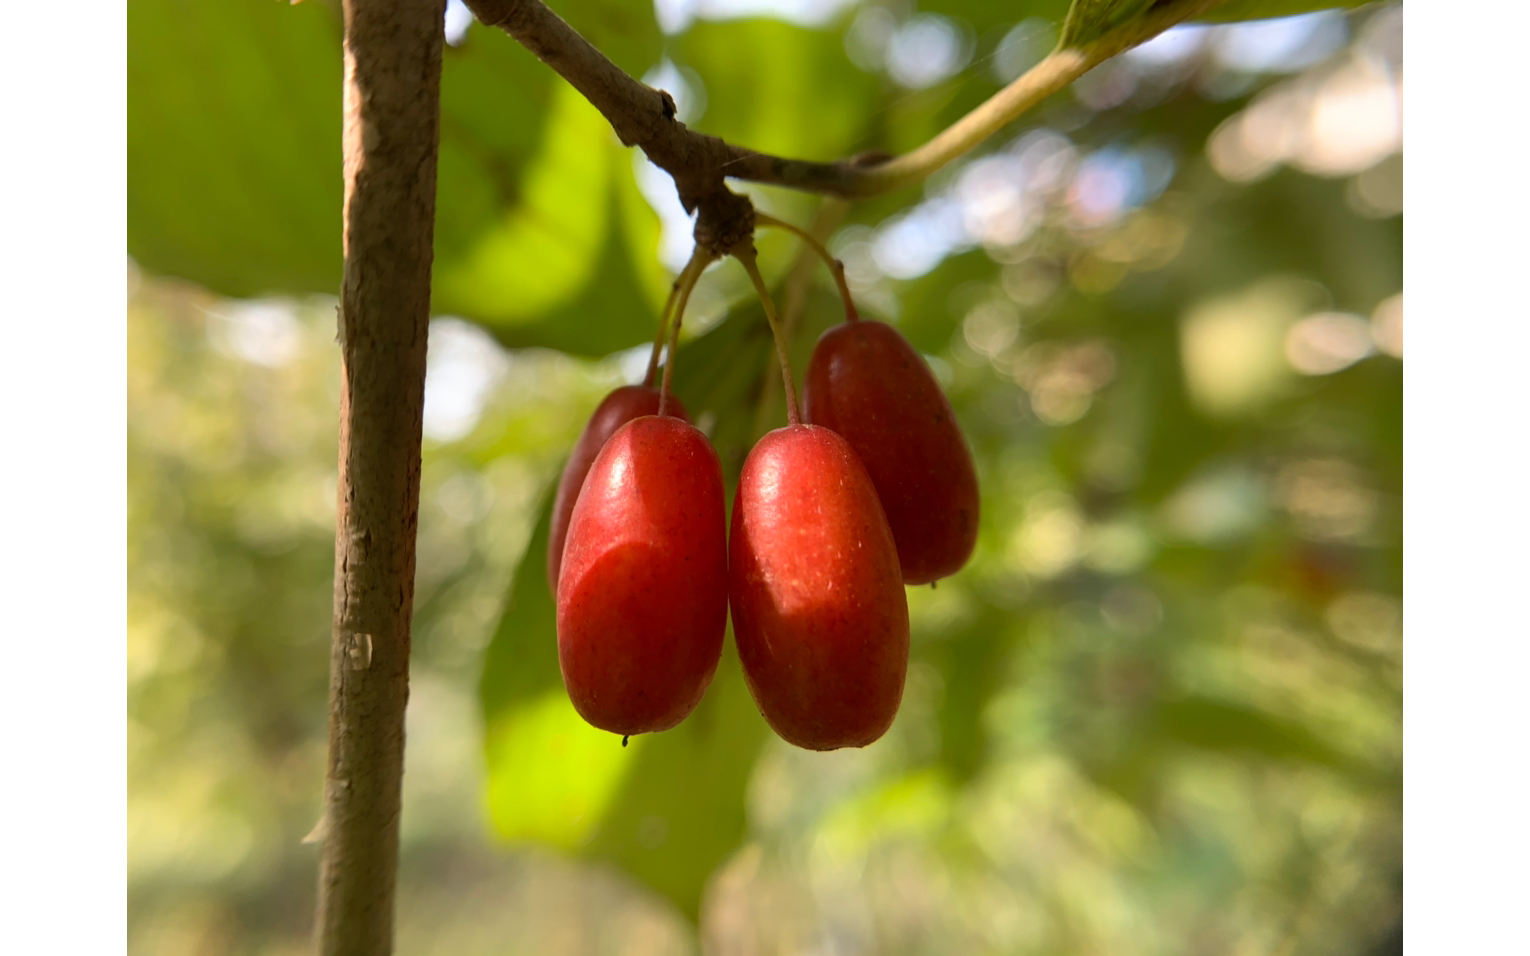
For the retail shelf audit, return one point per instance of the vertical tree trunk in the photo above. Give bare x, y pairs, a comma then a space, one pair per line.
392, 122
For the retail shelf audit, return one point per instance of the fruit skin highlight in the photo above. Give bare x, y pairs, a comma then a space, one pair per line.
868, 384
819, 613
643, 597
615, 410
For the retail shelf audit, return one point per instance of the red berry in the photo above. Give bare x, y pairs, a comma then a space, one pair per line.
819, 612
643, 598
868, 384
616, 410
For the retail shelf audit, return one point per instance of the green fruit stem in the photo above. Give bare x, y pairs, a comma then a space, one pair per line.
836, 268
660, 336
700, 259
745, 254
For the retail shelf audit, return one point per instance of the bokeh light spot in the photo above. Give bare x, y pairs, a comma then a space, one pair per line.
1387, 325
927, 49
1327, 342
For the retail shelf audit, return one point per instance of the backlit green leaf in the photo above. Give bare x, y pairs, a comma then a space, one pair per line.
557, 268
764, 77
680, 810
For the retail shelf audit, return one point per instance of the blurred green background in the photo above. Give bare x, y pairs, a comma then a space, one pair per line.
1161, 710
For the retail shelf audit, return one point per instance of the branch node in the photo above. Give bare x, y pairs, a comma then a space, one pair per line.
724, 220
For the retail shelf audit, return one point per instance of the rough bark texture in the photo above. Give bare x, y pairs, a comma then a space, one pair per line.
391, 130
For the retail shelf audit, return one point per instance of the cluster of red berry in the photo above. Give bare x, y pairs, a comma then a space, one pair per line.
832, 517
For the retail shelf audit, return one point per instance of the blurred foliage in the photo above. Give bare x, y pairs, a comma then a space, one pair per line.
1159, 712
234, 178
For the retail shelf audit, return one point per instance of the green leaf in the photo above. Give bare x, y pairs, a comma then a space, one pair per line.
972, 665
1088, 20
1236, 10
680, 810
234, 178
522, 659
233, 144
557, 269
778, 87
497, 110
551, 776
541, 251
668, 808
1226, 727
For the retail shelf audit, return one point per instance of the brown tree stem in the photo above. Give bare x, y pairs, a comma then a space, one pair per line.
391, 131
645, 117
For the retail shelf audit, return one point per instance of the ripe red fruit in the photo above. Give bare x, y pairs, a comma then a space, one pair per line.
868, 384
819, 613
643, 598
615, 410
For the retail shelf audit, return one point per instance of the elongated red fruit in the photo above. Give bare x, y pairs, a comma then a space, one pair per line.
615, 410
868, 384
643, 598
819, 613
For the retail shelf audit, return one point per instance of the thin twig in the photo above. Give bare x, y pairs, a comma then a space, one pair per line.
645, 117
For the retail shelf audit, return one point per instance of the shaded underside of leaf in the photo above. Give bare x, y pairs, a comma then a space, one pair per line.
233, 144
680, 810
234, 171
